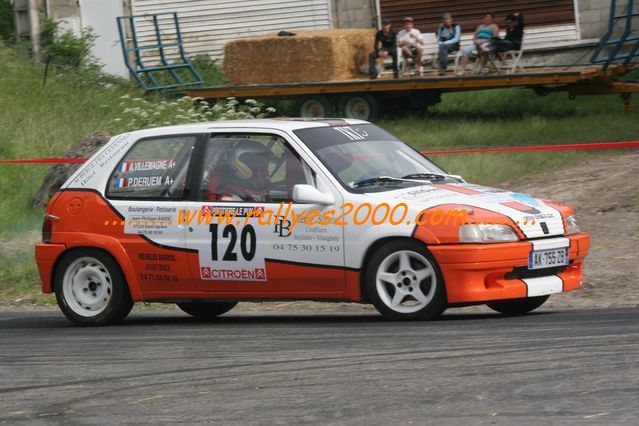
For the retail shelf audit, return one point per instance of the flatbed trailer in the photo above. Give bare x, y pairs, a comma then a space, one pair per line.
366, 99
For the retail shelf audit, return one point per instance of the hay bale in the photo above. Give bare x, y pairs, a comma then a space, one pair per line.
308, 56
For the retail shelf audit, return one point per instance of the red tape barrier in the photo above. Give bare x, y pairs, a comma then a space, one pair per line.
46, 160
566, 147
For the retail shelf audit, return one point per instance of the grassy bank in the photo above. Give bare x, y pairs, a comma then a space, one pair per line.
515, 117
42, 121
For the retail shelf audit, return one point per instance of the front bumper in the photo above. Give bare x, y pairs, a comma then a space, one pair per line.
484, 272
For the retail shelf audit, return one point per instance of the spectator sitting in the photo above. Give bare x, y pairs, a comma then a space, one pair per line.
484, 33
411, 42
385, 45
448, 36
514, 36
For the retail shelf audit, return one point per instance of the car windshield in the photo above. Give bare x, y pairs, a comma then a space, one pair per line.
365, 158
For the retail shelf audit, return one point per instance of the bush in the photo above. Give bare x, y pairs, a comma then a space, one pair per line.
7, 30
209, 70
139, 113
65, 48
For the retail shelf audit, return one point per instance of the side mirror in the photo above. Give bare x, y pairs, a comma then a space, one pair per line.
308, 194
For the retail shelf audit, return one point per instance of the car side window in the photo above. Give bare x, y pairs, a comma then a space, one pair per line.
154, 168
251, 168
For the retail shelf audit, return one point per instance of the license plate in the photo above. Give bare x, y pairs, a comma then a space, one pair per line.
547, 258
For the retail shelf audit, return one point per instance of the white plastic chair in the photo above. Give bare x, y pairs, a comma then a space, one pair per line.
384, 67
514, 56
404, 62
474, 67
431, 40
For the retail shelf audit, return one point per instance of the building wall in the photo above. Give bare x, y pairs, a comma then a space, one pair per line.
590, 17
469, 13
593, 16
60, 9
206, 25
67, 13
354, 13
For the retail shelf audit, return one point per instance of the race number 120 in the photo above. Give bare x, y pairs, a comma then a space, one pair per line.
248, 242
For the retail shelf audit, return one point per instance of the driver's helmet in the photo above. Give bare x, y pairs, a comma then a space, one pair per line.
249, 161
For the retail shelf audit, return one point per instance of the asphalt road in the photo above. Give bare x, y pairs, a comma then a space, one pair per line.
575, 366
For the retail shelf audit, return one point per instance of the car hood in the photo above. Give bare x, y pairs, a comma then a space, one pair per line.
521, 208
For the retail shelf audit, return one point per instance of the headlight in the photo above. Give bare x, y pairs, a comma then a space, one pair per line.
572, 227
484, 233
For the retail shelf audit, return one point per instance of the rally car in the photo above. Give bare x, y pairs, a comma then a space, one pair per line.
207, 215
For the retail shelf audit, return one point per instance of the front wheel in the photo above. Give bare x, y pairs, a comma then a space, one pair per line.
90, 288
517, 306
206, 310
404, 282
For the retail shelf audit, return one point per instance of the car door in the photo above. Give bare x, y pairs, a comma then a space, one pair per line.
255, 245
148, 188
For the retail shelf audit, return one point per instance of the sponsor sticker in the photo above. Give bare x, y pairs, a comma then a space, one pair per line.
237, 274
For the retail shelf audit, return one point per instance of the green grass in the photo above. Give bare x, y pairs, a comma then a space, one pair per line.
42, 121
514, 117
19, 280
37, 121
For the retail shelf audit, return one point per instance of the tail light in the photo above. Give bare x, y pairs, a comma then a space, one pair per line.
46, 230
47, 226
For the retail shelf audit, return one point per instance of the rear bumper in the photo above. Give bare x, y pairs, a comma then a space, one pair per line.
484, 272
46, 256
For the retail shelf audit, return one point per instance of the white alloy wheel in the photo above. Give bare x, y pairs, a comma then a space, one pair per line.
406, 281
87, 287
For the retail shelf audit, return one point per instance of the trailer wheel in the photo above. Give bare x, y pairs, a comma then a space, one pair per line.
313, 106
359, 106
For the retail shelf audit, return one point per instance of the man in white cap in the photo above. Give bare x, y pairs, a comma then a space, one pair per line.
411, 41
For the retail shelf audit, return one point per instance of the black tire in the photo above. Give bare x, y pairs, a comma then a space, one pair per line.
379, 292
206, 310
361, 106
517, 306
315, 106
105, 284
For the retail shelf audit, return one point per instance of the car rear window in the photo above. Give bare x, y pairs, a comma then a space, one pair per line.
153, 169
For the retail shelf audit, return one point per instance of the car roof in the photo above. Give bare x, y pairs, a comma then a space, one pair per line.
285, 124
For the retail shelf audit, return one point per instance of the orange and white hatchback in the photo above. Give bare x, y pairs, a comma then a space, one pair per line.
206, 215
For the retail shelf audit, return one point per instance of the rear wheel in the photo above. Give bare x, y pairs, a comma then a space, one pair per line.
404, 283
317, 106
90, 288
206, 310
359, 106
517, 306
